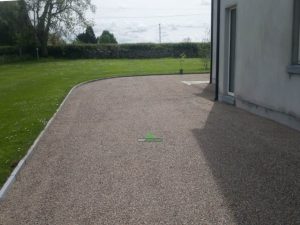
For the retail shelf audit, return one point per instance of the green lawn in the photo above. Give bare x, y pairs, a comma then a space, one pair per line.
31, 92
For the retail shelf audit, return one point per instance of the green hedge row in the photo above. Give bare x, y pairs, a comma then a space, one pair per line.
114, 51
10, 54
8, 50
131, 51
16, 51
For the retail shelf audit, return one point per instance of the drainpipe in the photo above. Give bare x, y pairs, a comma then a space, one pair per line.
211, 42
218, 51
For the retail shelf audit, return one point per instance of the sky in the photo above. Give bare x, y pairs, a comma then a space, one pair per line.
134, 21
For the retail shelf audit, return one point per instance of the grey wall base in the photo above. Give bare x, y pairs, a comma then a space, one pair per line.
227, 99
277, 116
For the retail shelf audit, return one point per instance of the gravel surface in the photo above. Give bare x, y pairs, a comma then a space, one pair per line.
216, 164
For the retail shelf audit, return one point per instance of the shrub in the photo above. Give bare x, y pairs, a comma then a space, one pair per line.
10, 54
131, 51
8, 50
116, 51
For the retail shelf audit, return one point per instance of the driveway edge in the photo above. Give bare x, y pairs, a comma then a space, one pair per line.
13, 176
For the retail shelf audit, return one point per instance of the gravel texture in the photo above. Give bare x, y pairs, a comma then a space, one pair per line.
216, 165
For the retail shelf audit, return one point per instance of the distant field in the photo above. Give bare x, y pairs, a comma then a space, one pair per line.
31, 92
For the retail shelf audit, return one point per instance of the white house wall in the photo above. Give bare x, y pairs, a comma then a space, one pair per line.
263, 52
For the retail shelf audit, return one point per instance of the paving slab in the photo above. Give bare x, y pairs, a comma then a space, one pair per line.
216, 164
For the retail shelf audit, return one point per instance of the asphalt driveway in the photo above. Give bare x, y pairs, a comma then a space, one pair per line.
216, 164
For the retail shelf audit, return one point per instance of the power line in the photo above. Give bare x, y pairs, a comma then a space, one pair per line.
148, 17
137, 8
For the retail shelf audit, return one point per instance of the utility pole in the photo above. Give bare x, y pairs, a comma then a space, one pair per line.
159, 30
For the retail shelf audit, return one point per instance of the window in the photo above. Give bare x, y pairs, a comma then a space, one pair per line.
295, 67
296, 32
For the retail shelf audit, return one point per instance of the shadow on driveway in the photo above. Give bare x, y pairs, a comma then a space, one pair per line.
255, 162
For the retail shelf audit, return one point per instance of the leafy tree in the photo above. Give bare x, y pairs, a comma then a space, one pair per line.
55, 39
15, 27
107, 38
91, 35
187, 40
87, 37
56, 16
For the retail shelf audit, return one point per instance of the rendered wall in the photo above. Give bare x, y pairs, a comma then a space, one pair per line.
263, 52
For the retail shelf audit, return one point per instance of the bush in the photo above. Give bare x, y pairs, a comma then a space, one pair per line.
15, 50
10, 54
4, 59
113, 51
204, 50
8, 50
130, 51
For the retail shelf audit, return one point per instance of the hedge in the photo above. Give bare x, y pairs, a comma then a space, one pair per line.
8, 50
131, 51
118, 51
10, 54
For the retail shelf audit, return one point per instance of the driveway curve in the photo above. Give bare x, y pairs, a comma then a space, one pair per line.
216, 164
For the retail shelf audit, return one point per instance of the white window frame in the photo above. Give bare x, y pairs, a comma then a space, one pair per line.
294, 68
296, 34
230, 9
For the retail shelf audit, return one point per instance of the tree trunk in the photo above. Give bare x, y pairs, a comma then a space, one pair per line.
43, 28
43, 40
44, 50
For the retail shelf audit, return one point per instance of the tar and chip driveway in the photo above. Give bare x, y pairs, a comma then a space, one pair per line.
216, 164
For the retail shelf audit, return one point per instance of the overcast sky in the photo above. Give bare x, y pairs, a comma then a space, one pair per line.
137, 20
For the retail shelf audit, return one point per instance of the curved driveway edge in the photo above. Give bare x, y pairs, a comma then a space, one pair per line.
216, 164
13, 176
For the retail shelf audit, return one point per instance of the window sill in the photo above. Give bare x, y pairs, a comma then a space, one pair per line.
293, 69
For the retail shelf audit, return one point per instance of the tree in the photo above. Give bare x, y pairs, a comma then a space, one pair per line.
206, 39
15, 27
56, 16
187, 40
7, 16
55, 39
87, 37
107, 38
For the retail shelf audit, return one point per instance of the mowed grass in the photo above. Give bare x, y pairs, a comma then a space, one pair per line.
31, 92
